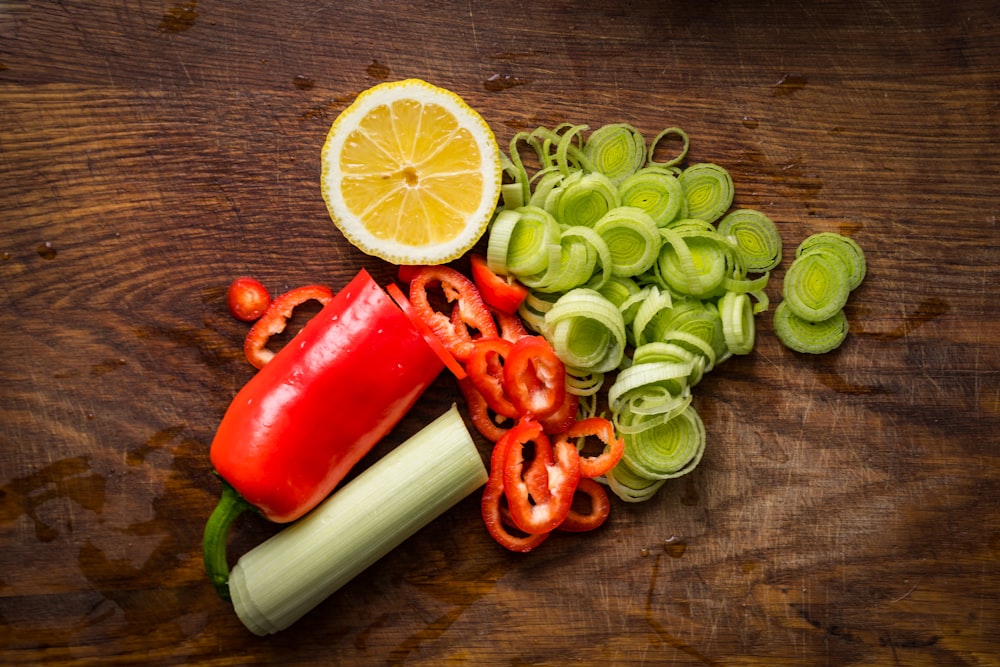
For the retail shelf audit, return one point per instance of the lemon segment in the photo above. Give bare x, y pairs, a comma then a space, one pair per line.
411, 173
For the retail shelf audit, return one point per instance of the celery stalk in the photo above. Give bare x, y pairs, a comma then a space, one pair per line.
279, 581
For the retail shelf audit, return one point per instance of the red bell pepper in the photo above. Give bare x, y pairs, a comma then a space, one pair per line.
614, 448
493, 509
469, 318
312, 412
600, 508
509, 326
564, 416
275, 318
535, 378
504, 293
485, 368
541, 495
479, 412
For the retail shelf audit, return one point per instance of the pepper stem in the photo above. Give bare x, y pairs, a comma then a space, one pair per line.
213, 545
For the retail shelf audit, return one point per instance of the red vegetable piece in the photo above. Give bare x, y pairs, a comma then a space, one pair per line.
485, 368
450, 362
303, 422
600, 508
509, 326
470, 319
479, 412
534, 377
614, 448
539, 503
500, 292
247, 299
275, 318
493, 510
564, 417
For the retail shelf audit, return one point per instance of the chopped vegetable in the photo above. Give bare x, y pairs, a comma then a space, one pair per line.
503, 293
312, 412
247, 298
638, 268
469, 318
540, 491
279, 581
275, 318
535, 378
826, 269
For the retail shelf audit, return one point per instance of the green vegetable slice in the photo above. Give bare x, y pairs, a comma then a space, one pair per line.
815, 287
586, 331
845, 249
708, 189
669, 449
581, 199
616, 150
657, 192
632, 238
679, 157
808, 337
756, 237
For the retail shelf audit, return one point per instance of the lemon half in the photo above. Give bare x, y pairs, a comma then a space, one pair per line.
411, 173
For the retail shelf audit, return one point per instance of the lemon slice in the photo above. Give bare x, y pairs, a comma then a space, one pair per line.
411, 173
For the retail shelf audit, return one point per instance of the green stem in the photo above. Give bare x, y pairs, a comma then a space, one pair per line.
230, 506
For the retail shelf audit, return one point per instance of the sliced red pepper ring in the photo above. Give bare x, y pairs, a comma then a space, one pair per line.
500, 292
564, 417
450, 362
485, 368
603, 429
539, 503
275, 319
470, 315
479, 412
600, 508
535, 378
509, 326
493, 509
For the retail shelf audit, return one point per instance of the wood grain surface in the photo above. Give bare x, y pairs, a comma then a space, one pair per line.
847, 510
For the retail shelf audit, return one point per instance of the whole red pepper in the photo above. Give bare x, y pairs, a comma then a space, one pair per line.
316, 408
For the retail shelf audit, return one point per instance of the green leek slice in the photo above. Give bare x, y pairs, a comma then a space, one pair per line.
586, 331
708, 189
616, 150
815, 287
657, 192
632, 238
756, 237
845, 249
808, 337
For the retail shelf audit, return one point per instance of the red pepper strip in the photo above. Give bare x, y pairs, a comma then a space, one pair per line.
450, 362
537, 507
534, 377
306, 418
492, 505
479, 412
485, 369
275, 318
600, 508
595, 466
407, 271
509, 326
472, 316
564, 417
503, 293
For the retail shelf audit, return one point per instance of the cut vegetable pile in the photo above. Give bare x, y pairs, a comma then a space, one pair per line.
612, 281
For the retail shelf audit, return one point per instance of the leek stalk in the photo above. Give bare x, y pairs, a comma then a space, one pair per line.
279, 581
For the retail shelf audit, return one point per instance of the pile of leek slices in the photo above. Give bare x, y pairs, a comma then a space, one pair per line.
642, 276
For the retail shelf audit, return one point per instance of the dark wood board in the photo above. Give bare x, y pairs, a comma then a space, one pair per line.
846, 511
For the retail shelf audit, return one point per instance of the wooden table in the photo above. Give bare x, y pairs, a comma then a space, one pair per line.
846, 511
